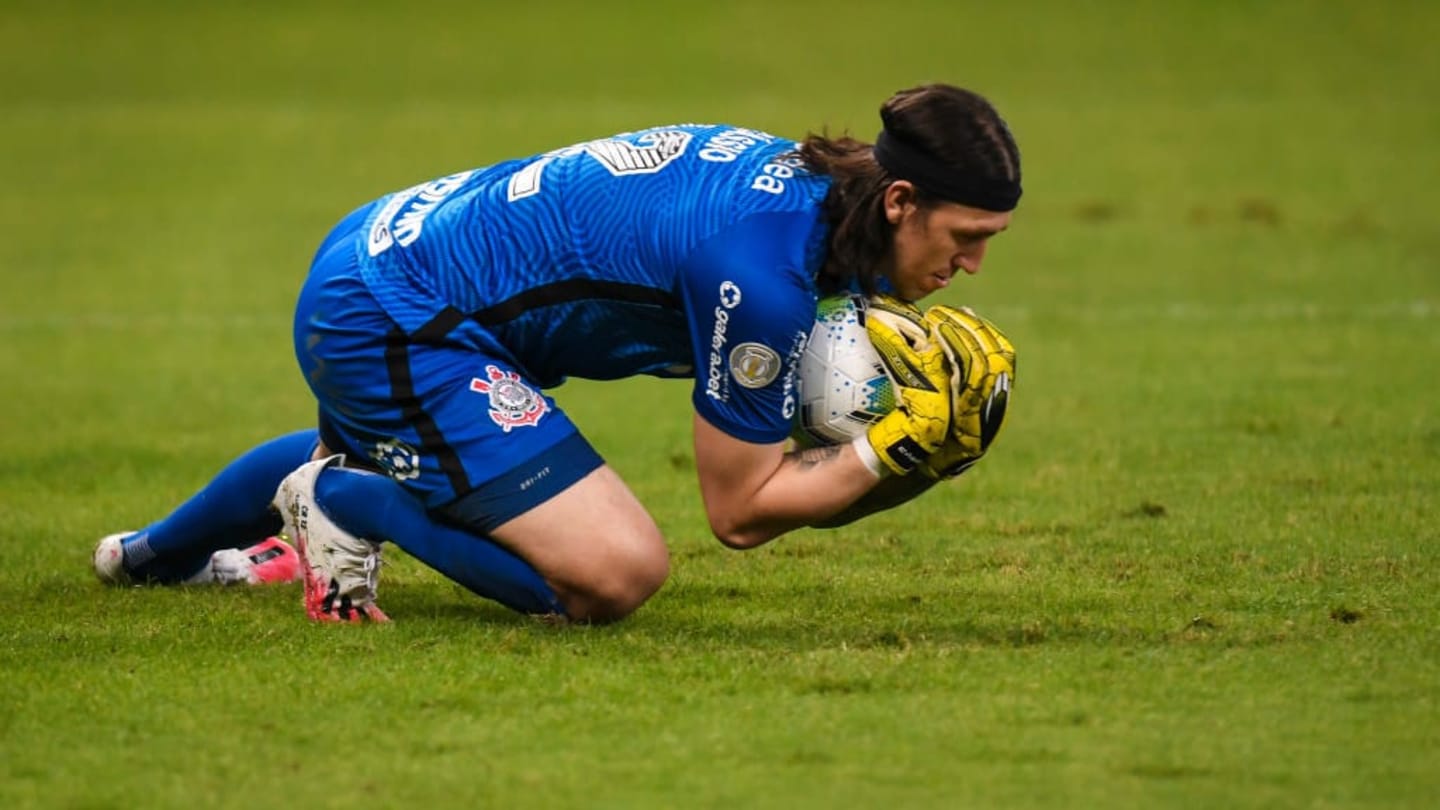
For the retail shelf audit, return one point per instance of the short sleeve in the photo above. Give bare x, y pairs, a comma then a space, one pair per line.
750, 302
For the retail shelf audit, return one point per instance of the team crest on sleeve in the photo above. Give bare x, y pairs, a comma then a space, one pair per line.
754, 365
512, 403
397, 458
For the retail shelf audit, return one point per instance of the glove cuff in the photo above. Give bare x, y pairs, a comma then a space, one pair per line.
897, 450
869, 457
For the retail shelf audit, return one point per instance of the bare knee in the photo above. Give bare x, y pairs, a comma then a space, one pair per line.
596, 546
621, 582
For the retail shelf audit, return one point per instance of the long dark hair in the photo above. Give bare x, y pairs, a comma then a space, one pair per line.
955, 126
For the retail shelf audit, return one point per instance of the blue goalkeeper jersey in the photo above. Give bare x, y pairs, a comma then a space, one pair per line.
679, 251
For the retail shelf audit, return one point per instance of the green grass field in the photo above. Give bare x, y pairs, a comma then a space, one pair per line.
1199, 569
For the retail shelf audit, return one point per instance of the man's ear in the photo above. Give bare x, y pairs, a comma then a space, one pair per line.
899, 195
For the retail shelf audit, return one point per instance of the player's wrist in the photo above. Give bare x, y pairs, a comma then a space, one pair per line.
897, 444
869, 457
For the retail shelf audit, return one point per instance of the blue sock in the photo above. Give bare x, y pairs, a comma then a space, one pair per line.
374, 507
232, 511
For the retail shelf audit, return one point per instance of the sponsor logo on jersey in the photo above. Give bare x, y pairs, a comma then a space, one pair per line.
732, 143
381, 238
512, 403
403, 217
790, 389
773, 175
397, 458
729, 294
715, 387
754, 365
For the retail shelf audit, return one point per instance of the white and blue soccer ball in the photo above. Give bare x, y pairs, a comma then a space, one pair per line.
844, 388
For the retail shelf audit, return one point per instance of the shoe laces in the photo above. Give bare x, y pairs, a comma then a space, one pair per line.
355, 569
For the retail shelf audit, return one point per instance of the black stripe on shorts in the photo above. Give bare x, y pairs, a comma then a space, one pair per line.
402, 390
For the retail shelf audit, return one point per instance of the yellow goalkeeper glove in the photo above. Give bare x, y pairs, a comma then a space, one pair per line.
982, 366
920, 423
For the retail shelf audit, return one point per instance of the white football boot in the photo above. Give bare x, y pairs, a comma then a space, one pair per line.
341, 571
110, 560
270, 560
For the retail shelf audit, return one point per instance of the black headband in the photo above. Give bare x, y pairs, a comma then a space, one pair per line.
908, 162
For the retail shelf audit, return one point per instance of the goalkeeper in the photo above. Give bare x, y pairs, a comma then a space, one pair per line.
434, 320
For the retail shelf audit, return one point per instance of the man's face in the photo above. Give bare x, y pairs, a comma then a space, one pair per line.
932, 244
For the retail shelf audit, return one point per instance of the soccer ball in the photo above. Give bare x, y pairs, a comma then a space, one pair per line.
844, 388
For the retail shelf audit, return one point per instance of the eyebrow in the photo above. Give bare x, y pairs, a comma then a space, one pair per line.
977, 231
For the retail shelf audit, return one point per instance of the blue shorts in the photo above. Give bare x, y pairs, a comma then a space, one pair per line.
447, 412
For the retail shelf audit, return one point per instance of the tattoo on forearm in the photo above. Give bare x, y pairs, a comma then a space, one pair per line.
815, 456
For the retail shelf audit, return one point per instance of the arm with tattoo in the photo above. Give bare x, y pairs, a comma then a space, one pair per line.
888, 494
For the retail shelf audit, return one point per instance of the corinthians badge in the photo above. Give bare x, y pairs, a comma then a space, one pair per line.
512, 403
